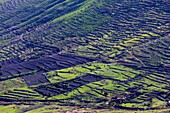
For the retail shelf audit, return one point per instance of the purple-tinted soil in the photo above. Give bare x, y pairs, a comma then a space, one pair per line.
44, 64
35, 79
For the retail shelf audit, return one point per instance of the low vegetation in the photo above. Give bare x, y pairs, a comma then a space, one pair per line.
100, 55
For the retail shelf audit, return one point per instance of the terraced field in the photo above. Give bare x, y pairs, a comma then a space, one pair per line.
95, 54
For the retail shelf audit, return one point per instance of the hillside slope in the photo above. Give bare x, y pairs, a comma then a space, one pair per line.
86, 53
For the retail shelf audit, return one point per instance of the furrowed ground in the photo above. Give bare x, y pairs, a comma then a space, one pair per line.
96, 54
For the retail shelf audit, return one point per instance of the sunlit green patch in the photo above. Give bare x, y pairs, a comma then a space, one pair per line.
22, 93
12, 84
93, 90
76, 12
9, 109
17, 88
114, 71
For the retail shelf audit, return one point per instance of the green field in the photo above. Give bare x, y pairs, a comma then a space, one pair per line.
96, 55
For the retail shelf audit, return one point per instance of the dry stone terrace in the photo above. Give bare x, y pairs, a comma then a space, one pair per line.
86, 53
